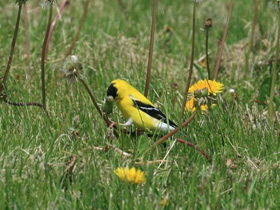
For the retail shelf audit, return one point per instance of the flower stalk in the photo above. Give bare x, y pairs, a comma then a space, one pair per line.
9, 64
79, 30
207, 26
27, 40
218, 63
44, 52
273, 80
149, 67
192, 62
62, 6
253, 27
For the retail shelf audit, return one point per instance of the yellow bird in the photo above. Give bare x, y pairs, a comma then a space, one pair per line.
136, 108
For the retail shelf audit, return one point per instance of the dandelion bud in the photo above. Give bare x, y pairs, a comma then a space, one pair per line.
204, 92
208, 23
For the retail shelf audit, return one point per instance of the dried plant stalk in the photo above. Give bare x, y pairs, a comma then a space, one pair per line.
218, 63
78, 31
271, 96
9, 64
191, 64
62, 6
44, 52
27, 40
149, 67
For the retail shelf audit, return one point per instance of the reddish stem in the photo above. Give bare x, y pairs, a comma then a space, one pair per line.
162, 139
62, 6
197, 148
191, 64
44, 52
148, 75
24, 104
78, 31
27, 42
223, 42
9, 64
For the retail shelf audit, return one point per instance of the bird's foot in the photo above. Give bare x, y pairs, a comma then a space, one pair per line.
112, 125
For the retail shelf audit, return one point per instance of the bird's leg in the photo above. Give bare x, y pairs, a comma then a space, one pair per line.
127, 123
112, 125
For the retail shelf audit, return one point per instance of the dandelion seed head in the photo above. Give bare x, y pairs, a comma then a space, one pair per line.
231, 90
72, 68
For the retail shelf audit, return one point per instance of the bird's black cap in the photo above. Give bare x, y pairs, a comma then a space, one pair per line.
112, 91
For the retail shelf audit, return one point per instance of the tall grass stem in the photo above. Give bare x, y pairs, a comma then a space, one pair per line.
27, 40
218, 63
191, 62
273, 80
149, 67
44, 52
9, 64
62, 6
79, 30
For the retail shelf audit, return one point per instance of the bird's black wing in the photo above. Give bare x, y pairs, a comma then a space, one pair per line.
152, 111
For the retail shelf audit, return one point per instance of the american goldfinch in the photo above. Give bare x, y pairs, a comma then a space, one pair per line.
136, 108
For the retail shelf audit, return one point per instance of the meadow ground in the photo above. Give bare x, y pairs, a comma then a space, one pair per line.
60, 162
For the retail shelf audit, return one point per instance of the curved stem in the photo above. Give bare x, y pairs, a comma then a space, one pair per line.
223, 42
197, 148
62, 6
9, 64
23, 104
104, 117
78, 31
184, 124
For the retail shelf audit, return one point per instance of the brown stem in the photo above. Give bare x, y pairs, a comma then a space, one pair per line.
206, 51
78, 31
104, 117
223, 42
191, 64
24, 104
27, 41
148, 75
164, 138
197, 148
44, 52
254, 26
271, 112
9, 64
62, 6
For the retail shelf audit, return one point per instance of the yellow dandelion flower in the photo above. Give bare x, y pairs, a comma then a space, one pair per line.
132, 175
213, 89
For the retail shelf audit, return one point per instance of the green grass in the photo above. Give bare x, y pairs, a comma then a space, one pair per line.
34, 159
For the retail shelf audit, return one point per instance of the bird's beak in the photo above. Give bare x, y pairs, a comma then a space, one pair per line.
110, 98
